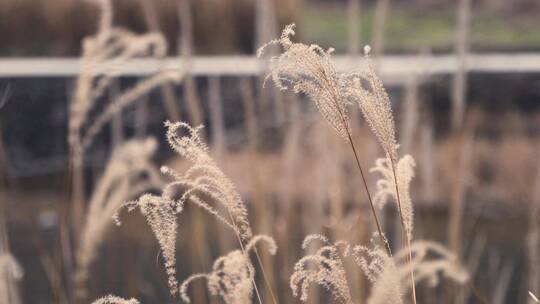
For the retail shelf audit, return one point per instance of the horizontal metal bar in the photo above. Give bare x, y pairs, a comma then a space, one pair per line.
393, 67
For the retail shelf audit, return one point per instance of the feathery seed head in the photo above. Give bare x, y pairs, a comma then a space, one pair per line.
204, 181
308, 69
386, 187
370, 95
232, 275
324, 267
110, 299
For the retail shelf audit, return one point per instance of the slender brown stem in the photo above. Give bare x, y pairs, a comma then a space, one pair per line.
237, 233
335, 98
381, 235
265, 277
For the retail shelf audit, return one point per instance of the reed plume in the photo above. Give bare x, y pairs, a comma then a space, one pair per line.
110, 299
370, 95
310, 71
325, 267
388, 274
382, 272
232, 274
203, 185
386, 187
129, 172
204, 181
103, 55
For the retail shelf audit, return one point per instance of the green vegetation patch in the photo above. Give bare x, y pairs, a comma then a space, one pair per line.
409, 31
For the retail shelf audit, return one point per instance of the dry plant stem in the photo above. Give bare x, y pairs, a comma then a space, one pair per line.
404, 232
167, 90
244, 251
387, 246
344, 121
265, 277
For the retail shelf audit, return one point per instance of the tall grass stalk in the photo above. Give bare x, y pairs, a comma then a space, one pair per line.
309, 70
248, 102
167, 90
185, 48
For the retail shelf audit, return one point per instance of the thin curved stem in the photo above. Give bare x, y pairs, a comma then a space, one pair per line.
381, 235
335, 98
265, 277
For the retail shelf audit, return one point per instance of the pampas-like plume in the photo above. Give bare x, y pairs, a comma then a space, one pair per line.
201, 184
373, 101
160, 213
430, 261
103, 54
386, 187
309, 70
204, 182
232, 275
380, 270
110, 299
390, 275
129, 172
324, 267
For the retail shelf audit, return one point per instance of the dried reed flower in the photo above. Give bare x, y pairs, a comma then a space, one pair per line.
389, 275
103, 55
382, 272
430, 260
232, 274
161, 213
309, 70
201, 184
386, 187
204, 182
110, 299
129, 172
324, 267
370, 95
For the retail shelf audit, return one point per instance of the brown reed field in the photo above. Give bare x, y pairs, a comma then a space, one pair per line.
295, 173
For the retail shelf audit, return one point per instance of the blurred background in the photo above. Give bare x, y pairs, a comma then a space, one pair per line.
463, 77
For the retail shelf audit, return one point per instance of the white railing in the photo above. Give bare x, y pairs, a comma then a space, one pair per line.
393, 68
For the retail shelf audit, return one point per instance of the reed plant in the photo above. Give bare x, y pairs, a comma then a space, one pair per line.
307, 70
